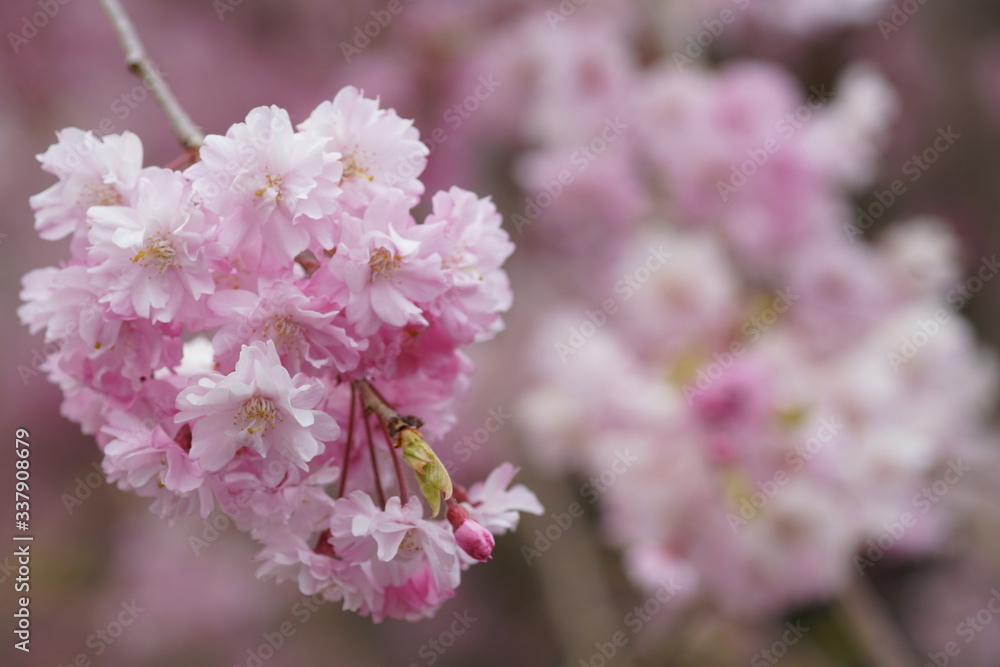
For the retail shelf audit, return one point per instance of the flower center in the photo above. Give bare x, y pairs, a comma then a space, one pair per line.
409, 544
158, 253
257, 414
354, 168
283, 326
383, 263
272, 182
285, 333
460, 259
98, 194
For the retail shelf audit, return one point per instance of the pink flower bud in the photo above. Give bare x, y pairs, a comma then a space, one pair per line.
475, 540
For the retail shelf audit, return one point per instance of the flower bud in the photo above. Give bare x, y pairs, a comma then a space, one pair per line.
470, 535
431, 474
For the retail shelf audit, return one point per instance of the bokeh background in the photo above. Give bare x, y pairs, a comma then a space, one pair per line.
548, 73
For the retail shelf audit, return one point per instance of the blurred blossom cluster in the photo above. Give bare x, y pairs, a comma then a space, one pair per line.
792, 391
219, 328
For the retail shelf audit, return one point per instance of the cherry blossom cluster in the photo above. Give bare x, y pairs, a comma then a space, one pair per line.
798, 392
257, 330
780, 454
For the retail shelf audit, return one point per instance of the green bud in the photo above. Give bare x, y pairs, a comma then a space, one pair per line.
431, 474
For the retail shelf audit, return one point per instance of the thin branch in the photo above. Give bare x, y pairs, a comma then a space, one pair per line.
347, 446
189, 134
371, 448
872, 626
404, 495
372, 402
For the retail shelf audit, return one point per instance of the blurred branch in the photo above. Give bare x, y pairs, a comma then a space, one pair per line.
574, 585
189, 134
872, 627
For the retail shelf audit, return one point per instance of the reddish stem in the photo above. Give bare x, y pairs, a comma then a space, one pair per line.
403, 493
188, 157
323, 546
371, 448
347, 446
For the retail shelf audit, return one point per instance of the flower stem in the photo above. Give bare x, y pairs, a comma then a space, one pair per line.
873, 628
347, 446
373, 402
403, 493
188, 133
371, 449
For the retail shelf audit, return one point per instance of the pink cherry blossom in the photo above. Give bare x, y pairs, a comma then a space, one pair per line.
497, 507
265, 171
259, 406
386, 267
378, 148
302, 328
92, 172
152, 260
473, 246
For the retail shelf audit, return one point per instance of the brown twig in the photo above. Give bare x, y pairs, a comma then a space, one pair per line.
188, 133
874, 630
373, 402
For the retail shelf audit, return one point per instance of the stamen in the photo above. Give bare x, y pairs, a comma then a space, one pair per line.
157, 254
98, 194
383, 263
353, 167
409, 545
272, 182
257, 415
